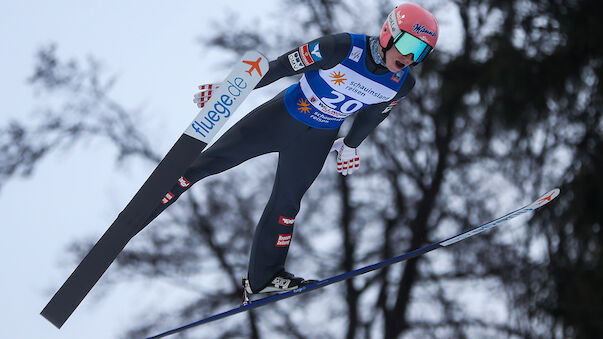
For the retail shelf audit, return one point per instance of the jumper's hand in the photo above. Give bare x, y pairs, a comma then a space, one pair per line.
348, 159
205, 94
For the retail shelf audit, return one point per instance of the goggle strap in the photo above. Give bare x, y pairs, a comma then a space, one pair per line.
424, 54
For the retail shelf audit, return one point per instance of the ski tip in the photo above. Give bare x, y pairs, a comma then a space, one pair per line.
58, 323
258, 62
546, 198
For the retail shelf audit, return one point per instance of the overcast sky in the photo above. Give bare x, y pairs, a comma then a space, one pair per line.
152, 47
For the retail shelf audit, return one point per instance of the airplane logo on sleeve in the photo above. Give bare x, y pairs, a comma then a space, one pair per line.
255, 65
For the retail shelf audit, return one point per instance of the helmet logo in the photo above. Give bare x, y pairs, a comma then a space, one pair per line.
400, 17
420, 29
394, 27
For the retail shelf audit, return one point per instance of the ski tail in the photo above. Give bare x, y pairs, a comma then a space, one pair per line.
543, 200
123, 229
237, 86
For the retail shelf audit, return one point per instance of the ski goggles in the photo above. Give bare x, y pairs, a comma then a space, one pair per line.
407, 43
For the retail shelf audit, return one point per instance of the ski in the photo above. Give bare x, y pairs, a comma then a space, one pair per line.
235, 88
543, 200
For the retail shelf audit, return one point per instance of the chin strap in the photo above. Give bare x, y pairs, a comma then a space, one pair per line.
375, 48
384, 50
390, 44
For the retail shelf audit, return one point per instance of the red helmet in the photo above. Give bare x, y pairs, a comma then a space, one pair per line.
414, 20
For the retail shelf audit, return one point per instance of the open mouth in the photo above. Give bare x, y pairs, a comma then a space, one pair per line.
399, 64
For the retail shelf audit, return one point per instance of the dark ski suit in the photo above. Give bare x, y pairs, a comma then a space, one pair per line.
302, 145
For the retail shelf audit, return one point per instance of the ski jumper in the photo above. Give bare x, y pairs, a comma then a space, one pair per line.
340, 78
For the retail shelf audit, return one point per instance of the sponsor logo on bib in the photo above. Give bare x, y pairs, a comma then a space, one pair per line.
356, 54
338, 78
303, 106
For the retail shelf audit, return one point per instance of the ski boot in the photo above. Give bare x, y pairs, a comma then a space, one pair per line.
282, 282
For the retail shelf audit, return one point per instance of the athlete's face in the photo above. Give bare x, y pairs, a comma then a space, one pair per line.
395, 61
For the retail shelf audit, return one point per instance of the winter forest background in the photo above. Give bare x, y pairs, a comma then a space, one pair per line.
507, 108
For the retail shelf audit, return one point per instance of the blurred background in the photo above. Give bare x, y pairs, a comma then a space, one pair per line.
506, 108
